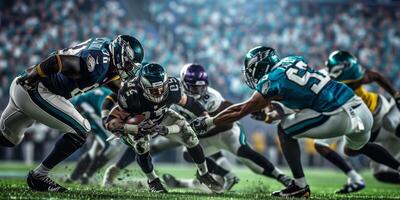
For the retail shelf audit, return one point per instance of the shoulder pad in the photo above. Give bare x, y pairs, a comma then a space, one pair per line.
212, 100
128, 97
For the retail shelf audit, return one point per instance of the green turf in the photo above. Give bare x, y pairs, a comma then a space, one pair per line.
323, 183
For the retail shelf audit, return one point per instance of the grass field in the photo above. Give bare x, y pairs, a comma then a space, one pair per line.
323, 183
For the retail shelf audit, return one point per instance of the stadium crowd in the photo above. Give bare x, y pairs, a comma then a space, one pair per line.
213, 33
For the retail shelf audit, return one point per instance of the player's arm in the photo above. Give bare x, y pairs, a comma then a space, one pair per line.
192, 105
69, 65
232, 113
115, 122
108, 104
374, 76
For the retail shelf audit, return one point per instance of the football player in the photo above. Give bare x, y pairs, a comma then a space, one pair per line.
231, 136
324, 109
344, 67
101, 151
41, 93
150, 95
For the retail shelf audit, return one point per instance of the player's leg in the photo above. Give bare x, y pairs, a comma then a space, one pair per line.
234, 140
391, 121
308, 124
84, 162
357, 143
112, 172
56, 112
13, 121
144, 160
187, 137
355, 182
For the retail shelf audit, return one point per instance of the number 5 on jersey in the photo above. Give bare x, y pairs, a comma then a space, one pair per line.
302, 80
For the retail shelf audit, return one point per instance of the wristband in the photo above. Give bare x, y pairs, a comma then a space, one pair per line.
209, 122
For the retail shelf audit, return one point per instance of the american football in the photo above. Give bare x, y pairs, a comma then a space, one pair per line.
199, 99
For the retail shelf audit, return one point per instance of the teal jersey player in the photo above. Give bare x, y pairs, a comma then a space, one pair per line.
344, 67
94, 99
298, 86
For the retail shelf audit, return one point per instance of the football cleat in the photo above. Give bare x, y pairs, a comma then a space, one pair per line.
351, 187
293, 191
43, 183
210, 182
171, 181
285, 180
110, 175
156, 186
230, 182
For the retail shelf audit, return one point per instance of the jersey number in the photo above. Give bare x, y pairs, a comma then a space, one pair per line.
293, 75
79, 91
174, 85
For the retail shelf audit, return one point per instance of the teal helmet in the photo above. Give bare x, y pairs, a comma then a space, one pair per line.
258, 62
340, 61
127, 54
153, 79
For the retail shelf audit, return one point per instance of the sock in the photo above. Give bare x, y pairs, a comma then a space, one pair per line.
214, 168
126, 159
291, 151
64, 147
380, 155
197, 155
202, 168
41, 170
333, 157
145, 162
301, 182
354, 177
151, 176
248, 153
81, 167
276, 173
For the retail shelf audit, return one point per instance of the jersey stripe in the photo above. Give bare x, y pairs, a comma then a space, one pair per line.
56, 113
306, 125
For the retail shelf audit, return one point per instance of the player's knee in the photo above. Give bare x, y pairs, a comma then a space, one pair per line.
142, 147
189, 138
4, 142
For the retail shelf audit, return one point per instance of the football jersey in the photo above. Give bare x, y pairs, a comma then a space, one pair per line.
95, 59
94, 99
210, 101
298, 86
355, 73
132, 100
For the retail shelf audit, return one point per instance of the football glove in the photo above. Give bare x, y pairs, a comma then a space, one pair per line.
201, 125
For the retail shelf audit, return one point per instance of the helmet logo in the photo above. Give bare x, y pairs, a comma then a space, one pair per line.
336, 71
91, 63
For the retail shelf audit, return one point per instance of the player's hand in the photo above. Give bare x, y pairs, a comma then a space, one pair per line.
397, 99
259, 115
201, 125
161, 130
115, 127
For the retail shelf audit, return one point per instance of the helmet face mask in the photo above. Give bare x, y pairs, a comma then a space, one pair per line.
194, 80
154, 82
258, 62
127, 55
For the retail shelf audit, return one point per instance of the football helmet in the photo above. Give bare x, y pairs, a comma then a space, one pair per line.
258, 61
338, 62
153, 79
194, 80
127, 54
